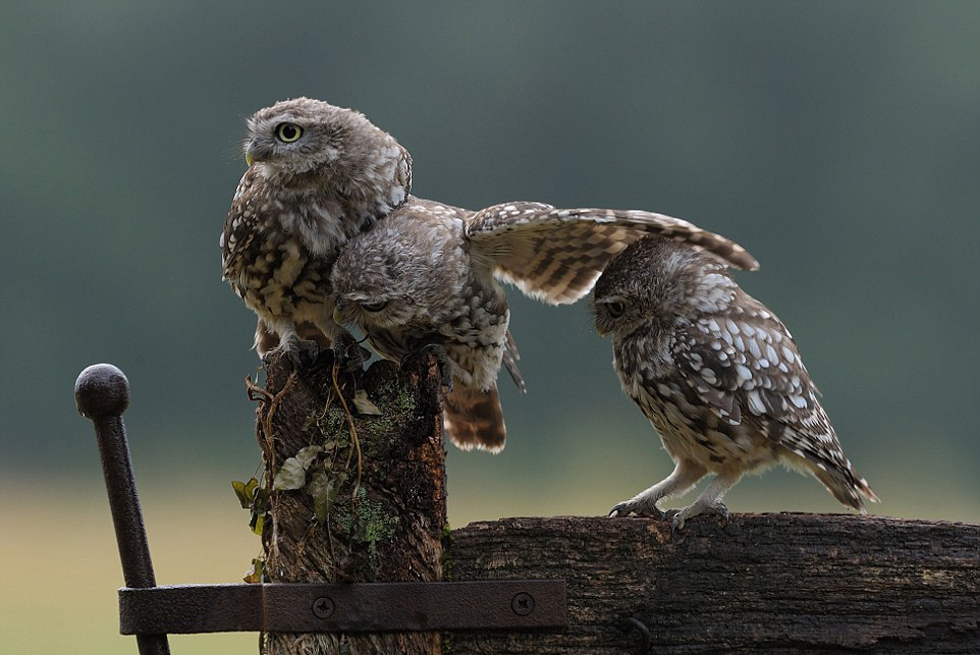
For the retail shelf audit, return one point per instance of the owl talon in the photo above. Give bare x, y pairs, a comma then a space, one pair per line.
626, 508
301, 353
721, 510
349, 354
615, 511
440, 352
697, 509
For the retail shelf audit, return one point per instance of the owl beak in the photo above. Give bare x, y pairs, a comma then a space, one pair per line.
254, 152
338, 316
251, 154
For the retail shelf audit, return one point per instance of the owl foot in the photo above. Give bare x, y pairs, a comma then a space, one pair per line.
301, 352
440, 353
637, 508
349, 353
696, 509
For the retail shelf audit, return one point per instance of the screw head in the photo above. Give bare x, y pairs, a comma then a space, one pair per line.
323, 608
522, 604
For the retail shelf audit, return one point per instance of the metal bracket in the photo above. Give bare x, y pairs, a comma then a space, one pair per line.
151, 612
357, 607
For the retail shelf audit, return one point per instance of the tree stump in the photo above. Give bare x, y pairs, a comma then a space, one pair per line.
772, 583
369, 508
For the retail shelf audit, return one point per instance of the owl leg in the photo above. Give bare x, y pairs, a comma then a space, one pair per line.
301, 351
686, 474
346, 349
708, 502
439, 351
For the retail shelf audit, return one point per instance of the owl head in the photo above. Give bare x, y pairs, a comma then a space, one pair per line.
406, 272
657, 279
298, 136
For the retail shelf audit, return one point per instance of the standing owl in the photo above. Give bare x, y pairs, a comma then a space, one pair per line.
717, 374
424, 278
318, 175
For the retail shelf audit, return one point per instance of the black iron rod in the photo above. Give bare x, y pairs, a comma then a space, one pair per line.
102, 395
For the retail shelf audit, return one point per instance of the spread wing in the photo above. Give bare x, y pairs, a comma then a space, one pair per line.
556, 255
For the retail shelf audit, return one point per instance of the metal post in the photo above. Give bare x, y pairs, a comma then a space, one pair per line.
102, 395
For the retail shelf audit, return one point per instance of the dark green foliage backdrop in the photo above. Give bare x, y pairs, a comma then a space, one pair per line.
838, 141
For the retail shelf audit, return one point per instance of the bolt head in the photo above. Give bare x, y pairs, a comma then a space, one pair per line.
323, 608
522, 604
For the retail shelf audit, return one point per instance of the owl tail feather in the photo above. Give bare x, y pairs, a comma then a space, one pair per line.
845, 485
474, 419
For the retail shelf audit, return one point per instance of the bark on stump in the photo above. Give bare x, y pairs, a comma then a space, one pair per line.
383, 524
772, 583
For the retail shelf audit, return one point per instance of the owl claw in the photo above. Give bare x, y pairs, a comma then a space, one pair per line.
676, 524
301, 352
679, 519
627, 507
440, 353
348, 353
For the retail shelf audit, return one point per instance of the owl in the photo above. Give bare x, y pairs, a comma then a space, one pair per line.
423, 279
318, 175
717, 374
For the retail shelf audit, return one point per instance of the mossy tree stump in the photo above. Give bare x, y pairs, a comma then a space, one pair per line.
370, 508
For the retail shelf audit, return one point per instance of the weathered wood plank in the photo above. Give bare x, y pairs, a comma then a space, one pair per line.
773, 583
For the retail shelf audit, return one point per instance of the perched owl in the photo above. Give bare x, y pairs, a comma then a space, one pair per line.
717, 374
318, 175
424, 278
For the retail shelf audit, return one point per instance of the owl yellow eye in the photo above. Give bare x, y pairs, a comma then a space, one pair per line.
288, 132
374, 306
615, 309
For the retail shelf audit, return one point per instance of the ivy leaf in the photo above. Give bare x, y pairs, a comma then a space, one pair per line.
256, 524
305, 456
240, 491
250, 488
245, 491
363, 404
254, 574
324, 491
292, 474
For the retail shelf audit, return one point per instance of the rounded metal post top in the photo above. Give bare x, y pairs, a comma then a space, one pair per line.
101, 390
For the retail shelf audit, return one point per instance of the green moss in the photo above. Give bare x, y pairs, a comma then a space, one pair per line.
333, 424
404, 400
369, 523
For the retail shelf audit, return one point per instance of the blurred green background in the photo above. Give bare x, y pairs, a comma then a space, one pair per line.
838, 141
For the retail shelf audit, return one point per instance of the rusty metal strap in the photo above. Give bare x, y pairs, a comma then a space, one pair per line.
359, 607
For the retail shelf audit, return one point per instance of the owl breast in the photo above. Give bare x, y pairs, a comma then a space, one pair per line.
688, 429
271, 269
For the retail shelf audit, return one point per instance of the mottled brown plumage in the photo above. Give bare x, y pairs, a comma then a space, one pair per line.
318, 175
424, 277
717, 374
